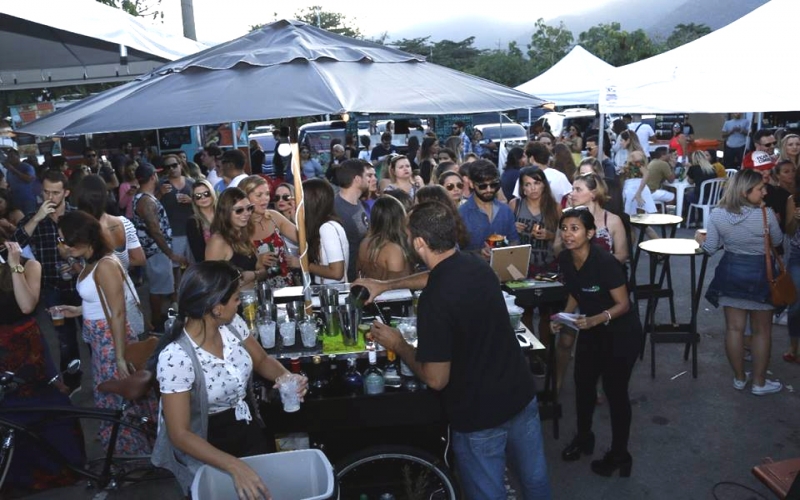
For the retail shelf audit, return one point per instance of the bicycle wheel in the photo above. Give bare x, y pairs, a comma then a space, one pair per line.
403, 471
6, 453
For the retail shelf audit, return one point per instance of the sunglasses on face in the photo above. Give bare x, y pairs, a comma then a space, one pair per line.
172, 165
240, 210
91, 156
285, 197
200, 196
451, 186
488, 185
769, 144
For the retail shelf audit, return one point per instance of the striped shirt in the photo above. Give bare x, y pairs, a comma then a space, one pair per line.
741, 233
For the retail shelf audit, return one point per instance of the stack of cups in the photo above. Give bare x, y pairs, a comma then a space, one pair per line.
329, 302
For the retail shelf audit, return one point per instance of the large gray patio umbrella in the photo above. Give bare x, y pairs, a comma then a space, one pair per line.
285, 69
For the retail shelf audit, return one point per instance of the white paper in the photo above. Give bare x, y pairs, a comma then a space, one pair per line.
566, 319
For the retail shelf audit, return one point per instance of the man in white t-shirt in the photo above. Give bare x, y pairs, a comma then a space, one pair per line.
539, 156
644, 132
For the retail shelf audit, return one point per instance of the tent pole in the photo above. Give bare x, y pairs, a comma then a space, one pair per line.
300, 221
601, 137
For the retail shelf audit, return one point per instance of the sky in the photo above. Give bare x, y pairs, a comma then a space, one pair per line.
218, 21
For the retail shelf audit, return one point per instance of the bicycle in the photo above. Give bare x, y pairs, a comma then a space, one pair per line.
403, 471
110, 471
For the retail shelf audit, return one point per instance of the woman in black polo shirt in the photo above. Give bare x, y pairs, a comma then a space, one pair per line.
608, 343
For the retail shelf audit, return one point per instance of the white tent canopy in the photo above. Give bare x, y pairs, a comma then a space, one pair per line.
575, 79
721, 72
55, 43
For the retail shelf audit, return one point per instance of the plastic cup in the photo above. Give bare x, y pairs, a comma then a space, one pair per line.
288, 389
308, 333
287, 333
266, 332
57, 316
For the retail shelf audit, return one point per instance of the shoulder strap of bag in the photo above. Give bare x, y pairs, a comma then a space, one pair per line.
100, 294
769, 250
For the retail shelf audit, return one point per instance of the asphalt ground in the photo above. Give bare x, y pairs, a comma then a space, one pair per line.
691, 438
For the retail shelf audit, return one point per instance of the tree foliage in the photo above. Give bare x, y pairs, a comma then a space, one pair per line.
685, 33
139, 8
334, 22
509, 67
549, 44
616, 46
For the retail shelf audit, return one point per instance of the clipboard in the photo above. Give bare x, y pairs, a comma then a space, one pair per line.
511, 263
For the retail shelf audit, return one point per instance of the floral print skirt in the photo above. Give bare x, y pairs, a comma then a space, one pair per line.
97, 333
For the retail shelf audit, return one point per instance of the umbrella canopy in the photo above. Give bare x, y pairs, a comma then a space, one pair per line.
47, 44
575, 79
285, 69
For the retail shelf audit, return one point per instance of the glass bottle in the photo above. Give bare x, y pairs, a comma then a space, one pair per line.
294, 366
410, 382
373, 376
391, 375
319, 380
353, 381
335, 386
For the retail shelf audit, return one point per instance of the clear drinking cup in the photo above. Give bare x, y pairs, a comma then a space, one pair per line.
57, 315
266, 332
287, 333
289, 384
308, 332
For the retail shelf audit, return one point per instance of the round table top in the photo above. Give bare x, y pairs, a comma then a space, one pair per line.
671, 246
656, 220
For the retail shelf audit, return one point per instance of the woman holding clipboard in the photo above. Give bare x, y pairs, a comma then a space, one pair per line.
608, 343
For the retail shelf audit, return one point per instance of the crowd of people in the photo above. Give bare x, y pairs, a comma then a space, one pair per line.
192, 234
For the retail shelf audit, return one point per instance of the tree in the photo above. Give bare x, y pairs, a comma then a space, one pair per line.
456, 55
139, 8
420, 46
508, 67
331, 21
616, 46
549, 44
685, 33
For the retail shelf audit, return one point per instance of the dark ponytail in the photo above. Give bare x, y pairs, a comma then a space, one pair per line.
203, 286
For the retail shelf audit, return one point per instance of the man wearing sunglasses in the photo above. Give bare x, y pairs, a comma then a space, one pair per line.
92, 161
155, 235
175, 194
764, 142
482, 213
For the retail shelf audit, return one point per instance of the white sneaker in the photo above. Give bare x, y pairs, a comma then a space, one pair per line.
782, 318
769, 387
740, 384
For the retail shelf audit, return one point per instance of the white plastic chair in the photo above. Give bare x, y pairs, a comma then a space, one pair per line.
730, 172
710, 193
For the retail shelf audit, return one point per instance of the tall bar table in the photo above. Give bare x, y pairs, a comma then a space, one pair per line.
683, 333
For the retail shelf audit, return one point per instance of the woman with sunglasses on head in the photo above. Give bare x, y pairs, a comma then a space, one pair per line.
440, 195
679, 142
269, 230
384, 252
231, 236
198, 227
636, 196
285, 201
205, 369
740, 284
609, 341
401, 176
452, 182
328, 249
105, 290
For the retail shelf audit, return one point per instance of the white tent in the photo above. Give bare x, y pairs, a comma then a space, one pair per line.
48, 43
736, 68
575, 79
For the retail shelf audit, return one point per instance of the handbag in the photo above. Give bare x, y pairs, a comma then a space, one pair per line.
131, 356
781, 288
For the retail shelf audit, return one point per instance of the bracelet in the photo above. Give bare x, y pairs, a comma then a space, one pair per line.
608, 315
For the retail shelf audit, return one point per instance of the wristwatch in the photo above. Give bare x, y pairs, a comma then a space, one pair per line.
17, 269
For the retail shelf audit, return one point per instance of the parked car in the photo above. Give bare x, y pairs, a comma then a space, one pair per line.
509, 132
561, 121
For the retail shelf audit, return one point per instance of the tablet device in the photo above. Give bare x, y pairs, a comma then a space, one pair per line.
511, 263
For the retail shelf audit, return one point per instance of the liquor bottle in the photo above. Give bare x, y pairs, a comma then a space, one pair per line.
319, 381
294, 366
335, 386
353, 381
391, 375
373, 376
410, 382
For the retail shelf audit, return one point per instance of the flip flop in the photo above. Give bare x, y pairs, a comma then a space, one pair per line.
790, 358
